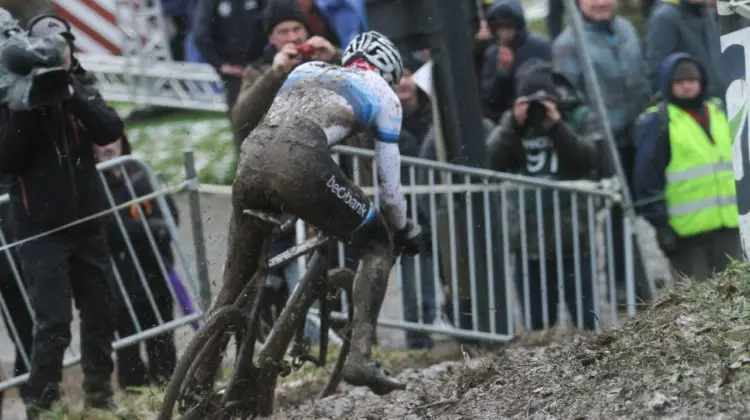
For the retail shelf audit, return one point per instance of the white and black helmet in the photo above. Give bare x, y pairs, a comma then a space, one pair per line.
377, 50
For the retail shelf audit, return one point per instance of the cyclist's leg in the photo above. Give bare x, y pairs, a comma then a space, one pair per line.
247, 235
322, 195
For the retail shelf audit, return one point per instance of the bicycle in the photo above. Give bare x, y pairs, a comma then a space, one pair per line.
250, 390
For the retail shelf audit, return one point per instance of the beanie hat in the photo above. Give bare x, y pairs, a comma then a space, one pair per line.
535, 76
279, 11
686, 70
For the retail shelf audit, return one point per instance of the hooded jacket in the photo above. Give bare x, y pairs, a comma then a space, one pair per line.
616, 54
653, 147
676, 25
577, 146
498, 85
48, 154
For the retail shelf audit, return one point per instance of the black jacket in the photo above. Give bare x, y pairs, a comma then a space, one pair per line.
48, 154
147, 257
230, 31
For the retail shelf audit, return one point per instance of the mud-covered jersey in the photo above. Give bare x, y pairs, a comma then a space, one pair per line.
347, 101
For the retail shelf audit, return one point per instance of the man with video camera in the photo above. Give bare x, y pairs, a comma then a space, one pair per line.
549, 133
46, 148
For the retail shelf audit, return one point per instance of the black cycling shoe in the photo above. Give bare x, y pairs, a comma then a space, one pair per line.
369, 373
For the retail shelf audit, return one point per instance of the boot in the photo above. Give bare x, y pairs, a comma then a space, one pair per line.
99, 400
361, 369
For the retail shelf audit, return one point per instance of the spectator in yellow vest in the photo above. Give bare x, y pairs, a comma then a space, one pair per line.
684, 184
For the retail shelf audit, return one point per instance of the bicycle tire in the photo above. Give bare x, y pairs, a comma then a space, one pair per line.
218, 323
340, 278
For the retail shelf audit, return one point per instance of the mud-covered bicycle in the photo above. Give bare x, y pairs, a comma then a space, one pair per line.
250, 390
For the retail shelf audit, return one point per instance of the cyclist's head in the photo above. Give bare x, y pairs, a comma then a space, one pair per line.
373, 51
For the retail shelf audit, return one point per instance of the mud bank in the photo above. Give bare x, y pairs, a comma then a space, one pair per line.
686, 356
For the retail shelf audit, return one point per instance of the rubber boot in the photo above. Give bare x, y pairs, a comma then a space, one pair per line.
370, 286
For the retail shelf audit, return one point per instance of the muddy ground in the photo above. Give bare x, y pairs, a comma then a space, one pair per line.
686, 357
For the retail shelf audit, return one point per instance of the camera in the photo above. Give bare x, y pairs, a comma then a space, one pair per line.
305, 51
537, 112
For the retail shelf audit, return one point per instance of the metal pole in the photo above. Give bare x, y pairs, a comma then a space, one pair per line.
648, 291
194, 202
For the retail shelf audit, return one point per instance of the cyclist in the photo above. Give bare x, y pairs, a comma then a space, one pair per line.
285, 165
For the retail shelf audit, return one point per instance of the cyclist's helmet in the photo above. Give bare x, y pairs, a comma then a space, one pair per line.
379, 52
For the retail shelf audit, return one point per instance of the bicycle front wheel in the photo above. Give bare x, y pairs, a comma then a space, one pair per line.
183, 387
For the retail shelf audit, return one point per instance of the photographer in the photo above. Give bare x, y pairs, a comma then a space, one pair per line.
48, 152
549, 133
289, 44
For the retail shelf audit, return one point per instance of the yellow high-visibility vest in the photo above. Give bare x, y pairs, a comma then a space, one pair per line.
700, 190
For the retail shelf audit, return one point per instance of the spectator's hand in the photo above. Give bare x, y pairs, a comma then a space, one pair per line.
231, 70
520, 108
323, 50
484, 33
505, 58
286, 59
553, 114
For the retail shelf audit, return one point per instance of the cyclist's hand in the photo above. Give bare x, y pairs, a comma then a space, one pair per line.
408, 239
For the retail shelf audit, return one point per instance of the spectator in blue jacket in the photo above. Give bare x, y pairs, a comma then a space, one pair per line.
348, 18
684, 176
514, 46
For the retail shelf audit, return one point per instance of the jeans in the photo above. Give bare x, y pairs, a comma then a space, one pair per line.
536, 321
410, 297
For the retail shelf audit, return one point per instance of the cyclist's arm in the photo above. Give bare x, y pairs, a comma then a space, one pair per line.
388, 158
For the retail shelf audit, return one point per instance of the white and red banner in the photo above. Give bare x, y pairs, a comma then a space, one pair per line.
94, 24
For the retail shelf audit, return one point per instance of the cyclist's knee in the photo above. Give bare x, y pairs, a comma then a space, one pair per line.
374, 237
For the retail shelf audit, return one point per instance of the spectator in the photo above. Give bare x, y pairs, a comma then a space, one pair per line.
177, 14
18, 320
684, 172
615, 51
286, 28
229, 36
514, 46
48, 153
550, 133
417, 121
684, 26
132, 371
318, 22
348, 18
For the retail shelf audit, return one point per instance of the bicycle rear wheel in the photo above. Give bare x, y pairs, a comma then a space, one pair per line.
224, 320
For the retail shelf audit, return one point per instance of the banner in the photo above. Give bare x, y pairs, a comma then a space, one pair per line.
735, 47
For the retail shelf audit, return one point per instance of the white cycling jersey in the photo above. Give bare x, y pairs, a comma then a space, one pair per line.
347, 101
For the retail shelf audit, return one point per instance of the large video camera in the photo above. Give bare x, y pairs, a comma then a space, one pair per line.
32, 71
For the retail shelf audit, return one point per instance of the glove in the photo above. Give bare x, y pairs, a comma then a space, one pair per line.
668, 240
408, 239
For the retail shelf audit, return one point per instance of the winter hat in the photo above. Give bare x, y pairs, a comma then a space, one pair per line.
686, 70
279, 11
536, 76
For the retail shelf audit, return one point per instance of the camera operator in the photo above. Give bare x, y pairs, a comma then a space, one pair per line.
48, 152
549, 133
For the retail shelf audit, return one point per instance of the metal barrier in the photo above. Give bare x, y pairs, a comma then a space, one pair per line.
130, 171
529, 223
